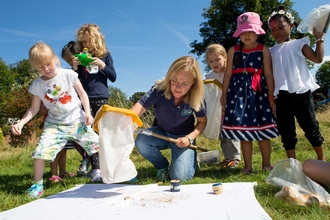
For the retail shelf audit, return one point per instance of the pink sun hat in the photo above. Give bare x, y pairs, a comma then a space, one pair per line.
249, 21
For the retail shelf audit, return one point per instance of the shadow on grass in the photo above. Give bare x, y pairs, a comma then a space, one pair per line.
15, 184
18, 184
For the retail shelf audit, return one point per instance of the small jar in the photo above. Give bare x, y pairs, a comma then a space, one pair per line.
175, 186
217, 188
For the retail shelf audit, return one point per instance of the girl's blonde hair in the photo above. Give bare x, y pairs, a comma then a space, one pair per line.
97, 39
219, 49
41, 54
195, 95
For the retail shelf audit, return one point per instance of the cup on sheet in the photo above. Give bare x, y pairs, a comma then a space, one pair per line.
217, 188
175, 186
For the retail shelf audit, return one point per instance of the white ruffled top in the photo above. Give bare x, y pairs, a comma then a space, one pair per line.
290, 69
214, 75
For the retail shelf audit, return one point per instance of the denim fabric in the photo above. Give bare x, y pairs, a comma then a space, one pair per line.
183, 160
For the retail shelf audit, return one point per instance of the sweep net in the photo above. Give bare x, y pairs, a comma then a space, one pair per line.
212, 98
116, 127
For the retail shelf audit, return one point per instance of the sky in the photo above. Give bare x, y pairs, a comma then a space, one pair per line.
144, 37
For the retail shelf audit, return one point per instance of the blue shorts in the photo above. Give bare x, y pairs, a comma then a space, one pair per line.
55, 136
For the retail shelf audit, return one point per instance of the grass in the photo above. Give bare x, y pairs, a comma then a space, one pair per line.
16, 174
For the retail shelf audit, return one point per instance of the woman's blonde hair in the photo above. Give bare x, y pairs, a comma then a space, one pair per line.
195, 95
41, 54
219, 49
96, 37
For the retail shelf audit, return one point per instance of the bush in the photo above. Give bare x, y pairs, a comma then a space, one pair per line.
1, 139
14, 105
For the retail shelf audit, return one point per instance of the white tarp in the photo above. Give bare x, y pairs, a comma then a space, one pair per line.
121, 201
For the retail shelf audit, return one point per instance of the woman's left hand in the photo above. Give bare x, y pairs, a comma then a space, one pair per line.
183, 142
98, 62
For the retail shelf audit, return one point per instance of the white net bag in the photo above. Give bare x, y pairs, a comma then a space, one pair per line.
295, 185
213, 94
318, 18
116, 127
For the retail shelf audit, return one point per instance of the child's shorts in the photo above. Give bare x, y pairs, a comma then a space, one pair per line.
55, 136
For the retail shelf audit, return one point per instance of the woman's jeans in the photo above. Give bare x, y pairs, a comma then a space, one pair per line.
183, 164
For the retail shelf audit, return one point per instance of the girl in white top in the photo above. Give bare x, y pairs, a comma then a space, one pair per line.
62, 93
216, 58
294, 83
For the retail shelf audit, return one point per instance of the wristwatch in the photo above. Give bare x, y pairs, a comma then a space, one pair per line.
320, 39
191, 141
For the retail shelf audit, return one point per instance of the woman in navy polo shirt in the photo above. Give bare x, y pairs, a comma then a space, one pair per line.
176, 99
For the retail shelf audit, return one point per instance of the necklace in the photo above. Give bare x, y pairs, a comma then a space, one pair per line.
244, 62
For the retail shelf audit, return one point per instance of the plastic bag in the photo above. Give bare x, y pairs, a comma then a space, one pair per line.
116, 127
296, 186
317, 18
214, 111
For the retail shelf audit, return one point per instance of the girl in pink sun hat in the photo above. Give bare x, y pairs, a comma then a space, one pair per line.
247, 93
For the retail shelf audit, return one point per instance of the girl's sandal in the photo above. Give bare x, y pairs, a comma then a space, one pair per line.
247, 171
67, 174
55, 179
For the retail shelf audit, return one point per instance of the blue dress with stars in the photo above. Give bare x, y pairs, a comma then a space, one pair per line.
248, 115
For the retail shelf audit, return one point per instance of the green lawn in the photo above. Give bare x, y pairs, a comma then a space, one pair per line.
16, 175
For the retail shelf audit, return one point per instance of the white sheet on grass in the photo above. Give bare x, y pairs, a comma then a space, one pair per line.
120, 201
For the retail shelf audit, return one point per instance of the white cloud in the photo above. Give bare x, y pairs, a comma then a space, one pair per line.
125, 72
318, 65
122, 13
19, 33
326, 58
132, 48
177, 33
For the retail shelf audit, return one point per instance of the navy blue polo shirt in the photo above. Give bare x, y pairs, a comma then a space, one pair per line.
177, 120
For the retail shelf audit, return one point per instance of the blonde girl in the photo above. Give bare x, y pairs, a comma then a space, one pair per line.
216, 58
62, 94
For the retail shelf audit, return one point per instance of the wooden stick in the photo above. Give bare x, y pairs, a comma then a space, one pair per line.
326, 26
150, 133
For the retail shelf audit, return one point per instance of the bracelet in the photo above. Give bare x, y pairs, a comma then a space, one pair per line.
191, 141
320, 39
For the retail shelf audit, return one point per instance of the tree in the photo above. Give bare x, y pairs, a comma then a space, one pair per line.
136, 96
221, 17
117, 98
24, 72
15, 100
322, 77
7, 78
